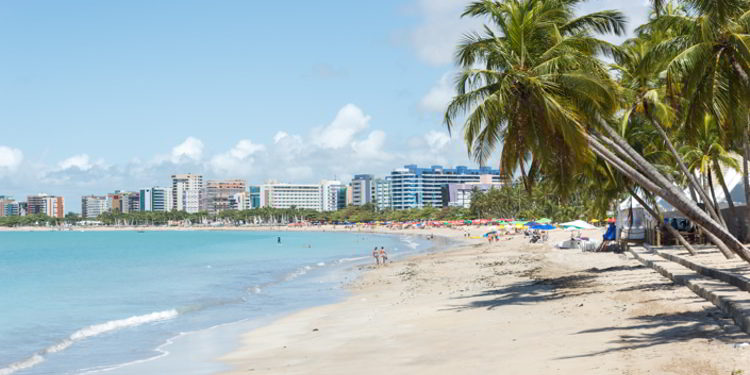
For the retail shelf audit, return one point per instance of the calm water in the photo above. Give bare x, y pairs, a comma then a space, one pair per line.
75, 302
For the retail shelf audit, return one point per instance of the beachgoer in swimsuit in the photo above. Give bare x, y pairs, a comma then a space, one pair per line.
383, 255
376, 255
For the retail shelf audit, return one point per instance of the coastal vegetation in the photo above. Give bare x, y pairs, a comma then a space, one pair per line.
660, 116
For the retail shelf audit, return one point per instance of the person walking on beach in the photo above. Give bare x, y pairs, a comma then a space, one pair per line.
383, 255
376, 255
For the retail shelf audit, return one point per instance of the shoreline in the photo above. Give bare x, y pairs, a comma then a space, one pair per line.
524, 308
176, 351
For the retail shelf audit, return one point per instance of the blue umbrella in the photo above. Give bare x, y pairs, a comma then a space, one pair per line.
544, 227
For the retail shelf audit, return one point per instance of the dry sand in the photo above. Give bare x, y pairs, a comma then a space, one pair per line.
507, 308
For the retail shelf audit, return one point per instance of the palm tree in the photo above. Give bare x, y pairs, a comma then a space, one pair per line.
533, 84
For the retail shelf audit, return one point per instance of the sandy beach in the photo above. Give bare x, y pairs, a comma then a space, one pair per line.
509, 307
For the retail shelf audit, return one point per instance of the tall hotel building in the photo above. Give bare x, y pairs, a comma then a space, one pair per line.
217, 196
92, 206
292, 195
331, 195
157, 199
414, 187
362, 188
186, 192
49, 205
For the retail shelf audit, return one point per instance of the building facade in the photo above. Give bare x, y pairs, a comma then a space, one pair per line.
5, 202
459, 195
49, 205
92, 206
362, 188
216, 195
156, 199
382, 193
280, 195
186, 192
331, 194
414, 187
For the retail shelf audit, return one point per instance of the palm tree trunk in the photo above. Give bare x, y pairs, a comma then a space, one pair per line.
745, 157
656, 213
680, 163
739, 228
671, 194
710, 184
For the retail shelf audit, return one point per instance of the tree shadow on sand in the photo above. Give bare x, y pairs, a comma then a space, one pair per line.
654, 330
528, 292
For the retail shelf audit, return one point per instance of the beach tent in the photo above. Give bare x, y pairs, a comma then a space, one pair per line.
578, 224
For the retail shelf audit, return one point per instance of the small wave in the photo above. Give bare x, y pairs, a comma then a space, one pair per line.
409, 243
321, 264
90, 331
348, 260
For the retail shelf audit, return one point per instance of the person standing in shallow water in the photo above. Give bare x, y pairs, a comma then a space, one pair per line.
376, 255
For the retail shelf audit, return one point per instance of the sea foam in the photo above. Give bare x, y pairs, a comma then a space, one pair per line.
84, 333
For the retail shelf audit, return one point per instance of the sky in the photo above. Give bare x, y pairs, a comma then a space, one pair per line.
97, 96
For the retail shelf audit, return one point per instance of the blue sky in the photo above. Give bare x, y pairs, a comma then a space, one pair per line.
104, 95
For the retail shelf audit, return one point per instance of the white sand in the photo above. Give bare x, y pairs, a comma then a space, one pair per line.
507, 308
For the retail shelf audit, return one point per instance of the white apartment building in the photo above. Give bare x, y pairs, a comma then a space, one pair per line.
331, 195
186, 192
279, 195
92, 206
362, 189
157, 199
382, 193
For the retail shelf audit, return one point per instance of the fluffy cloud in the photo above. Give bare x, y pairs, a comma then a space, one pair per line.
372, 147
238, 159
439, 96
437, 140
434, 40
81, 162
349, 121
191, 148
10, 158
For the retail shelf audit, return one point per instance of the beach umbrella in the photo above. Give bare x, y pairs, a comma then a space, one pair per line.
532, 223
544, 221
544, 227
594, 221
488, 233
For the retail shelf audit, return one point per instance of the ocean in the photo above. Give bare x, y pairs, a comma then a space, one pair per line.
99, 302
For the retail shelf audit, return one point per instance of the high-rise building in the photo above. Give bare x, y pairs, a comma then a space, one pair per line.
186, 192
157, 199
330, 191
49, 205
278, 195
362, 188
216, 195
414, 187
254, 196
8, 206
382, 193
459, 195
124, 201
92, 206
343, 197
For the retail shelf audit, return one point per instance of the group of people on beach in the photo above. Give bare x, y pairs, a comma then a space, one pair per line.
380, 255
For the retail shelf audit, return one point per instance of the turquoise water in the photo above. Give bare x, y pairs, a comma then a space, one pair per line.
75, 302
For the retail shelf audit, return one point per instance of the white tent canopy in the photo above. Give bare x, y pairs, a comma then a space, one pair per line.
578, 224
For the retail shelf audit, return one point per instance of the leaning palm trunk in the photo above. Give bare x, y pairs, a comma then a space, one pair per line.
745, 157
668, 192
656, 213
727, 194
690, 177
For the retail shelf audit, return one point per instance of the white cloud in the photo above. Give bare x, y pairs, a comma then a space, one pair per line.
434, 40
238, 159
437, 140
10, 158
279, 136
371, 147
349, 121
81, 162
439, 96
190, 149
